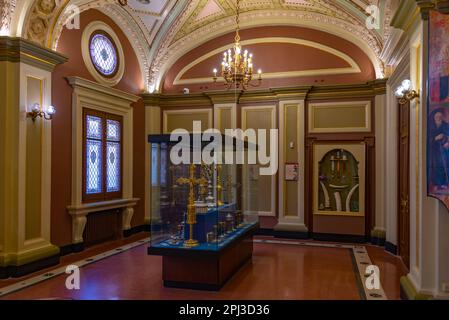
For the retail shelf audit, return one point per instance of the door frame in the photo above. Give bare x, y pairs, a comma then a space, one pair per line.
399, 198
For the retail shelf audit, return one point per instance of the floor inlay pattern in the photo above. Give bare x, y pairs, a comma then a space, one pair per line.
358, 254
62, 270
361, 260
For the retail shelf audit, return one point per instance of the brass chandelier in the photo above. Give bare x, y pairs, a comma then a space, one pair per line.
237, 66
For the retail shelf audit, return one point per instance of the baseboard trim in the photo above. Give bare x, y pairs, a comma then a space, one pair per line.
392, 248
314, 236
192, 286
409, 292
339, 237
4, 273
264, 232
136, 229
78, 247
378, 241
71, 248
291, 235
20, 271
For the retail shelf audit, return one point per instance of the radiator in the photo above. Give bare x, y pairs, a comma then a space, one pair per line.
102, 226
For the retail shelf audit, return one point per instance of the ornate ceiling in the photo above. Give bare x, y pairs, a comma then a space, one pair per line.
207, 12
202, 20
162, 30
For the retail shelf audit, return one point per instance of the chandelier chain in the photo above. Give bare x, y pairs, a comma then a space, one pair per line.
237, 21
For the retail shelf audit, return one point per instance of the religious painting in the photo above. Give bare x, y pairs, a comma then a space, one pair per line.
438, 109
339, 179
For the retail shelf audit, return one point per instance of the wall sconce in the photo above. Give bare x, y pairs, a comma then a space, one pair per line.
405, 93
37, 112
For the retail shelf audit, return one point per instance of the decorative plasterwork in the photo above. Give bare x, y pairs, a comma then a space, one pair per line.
41, 18
210, 11
121, 17
353, 67
7, 8
346, 26
47, 18
158, 29
21, 50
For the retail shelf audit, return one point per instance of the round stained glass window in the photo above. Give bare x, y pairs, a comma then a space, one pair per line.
103, 54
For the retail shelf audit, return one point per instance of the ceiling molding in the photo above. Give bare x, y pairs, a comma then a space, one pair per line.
366, 90
354, 67
22, 50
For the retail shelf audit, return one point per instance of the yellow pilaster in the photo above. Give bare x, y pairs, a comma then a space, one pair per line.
25, 76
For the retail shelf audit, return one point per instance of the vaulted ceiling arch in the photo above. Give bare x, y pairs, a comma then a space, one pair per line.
357, 34
162, 30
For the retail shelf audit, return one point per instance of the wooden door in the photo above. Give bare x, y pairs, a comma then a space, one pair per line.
404, 184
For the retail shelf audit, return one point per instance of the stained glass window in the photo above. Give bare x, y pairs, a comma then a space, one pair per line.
94, 127
113, 167
113, 130
102, 156
103, 54
93, 167
113, 154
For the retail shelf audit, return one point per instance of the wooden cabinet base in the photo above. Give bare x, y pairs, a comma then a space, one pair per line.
209, 270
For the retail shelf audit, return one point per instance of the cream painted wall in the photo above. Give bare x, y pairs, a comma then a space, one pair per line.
184, 118
34, 135
152, 126
291, 193
382, 140
262, 117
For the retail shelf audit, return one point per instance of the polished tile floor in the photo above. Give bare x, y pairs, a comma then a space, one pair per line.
278, 271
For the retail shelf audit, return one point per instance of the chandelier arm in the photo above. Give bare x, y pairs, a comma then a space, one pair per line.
237, 65
256, 85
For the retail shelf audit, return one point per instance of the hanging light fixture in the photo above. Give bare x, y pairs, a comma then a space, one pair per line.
237, 66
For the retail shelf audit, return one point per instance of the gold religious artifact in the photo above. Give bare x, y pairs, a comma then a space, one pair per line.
191, 209
219, 186
203, 183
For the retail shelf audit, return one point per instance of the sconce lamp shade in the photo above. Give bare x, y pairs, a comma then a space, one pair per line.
405, 92
51, 110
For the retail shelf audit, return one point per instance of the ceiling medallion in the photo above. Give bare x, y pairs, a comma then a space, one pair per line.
237, 66
125, 2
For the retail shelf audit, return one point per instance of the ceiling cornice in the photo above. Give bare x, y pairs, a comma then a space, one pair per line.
210, 98
21, 50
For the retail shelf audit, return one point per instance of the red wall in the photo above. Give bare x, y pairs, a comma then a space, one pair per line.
277, 57
132, 82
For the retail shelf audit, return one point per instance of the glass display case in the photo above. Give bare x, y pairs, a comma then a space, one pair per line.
198, 206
